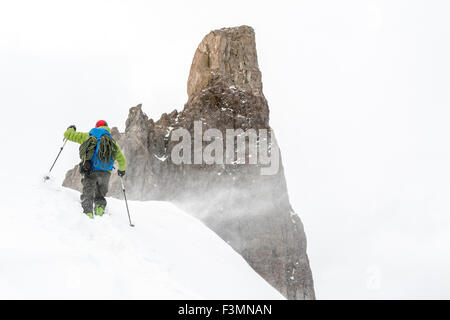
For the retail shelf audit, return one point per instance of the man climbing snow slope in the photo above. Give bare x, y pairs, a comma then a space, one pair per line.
98, 151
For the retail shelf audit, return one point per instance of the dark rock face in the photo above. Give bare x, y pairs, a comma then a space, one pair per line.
248, 210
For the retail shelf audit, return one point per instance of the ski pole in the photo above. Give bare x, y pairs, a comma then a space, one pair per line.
60, 150
126, 203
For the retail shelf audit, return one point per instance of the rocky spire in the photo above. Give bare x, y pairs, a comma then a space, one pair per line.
228, 54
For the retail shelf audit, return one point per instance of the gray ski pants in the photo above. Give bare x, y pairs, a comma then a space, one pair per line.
95, 187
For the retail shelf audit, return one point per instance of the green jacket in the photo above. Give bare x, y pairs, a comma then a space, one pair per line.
80, 137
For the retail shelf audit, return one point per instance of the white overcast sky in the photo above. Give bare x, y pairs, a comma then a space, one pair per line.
359, 94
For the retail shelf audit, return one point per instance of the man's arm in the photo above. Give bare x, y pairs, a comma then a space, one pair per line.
74, 136
120, 158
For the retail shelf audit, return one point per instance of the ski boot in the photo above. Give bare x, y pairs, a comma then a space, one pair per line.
90, 215
99, 211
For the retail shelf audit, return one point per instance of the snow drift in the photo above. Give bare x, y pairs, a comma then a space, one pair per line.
49, 249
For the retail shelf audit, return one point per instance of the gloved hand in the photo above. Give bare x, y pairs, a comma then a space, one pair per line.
73, 127
121, 173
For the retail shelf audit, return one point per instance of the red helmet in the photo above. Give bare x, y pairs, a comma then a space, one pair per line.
101, 123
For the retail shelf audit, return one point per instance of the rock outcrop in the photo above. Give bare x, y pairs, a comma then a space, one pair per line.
250, 211
229, 54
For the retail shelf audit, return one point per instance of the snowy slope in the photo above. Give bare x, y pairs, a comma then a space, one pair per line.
49, 249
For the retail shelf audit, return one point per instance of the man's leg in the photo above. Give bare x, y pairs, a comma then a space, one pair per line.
87, 197
101, 190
